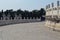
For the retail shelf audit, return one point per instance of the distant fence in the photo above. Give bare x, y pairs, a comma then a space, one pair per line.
7, 22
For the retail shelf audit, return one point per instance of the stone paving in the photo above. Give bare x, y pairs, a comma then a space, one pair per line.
28, 31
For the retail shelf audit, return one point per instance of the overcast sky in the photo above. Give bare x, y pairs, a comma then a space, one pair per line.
24, 4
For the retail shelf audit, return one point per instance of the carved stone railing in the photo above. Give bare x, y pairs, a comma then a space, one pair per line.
53, 19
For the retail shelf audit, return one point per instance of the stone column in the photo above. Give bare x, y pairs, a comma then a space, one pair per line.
8, 16
4, 16
15, 17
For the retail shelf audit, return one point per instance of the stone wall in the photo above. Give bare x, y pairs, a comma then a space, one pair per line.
7, 22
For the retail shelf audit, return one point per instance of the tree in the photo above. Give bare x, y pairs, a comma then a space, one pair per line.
26, 14
12, 14
35, 13
42, 12
19, 11
6, 12
30, 14
1, 14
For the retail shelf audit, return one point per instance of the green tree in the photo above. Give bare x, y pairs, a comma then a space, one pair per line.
42, 12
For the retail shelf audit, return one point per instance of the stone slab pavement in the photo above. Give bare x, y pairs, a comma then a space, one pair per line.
28, 31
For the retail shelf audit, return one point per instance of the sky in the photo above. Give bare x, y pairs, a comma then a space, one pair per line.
24, 4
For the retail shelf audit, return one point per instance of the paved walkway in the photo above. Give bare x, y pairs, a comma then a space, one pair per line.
28, 31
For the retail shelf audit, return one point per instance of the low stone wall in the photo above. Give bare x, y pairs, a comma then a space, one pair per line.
52, 25
7, 22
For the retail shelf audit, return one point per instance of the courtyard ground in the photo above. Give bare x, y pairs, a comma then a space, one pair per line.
28, 31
